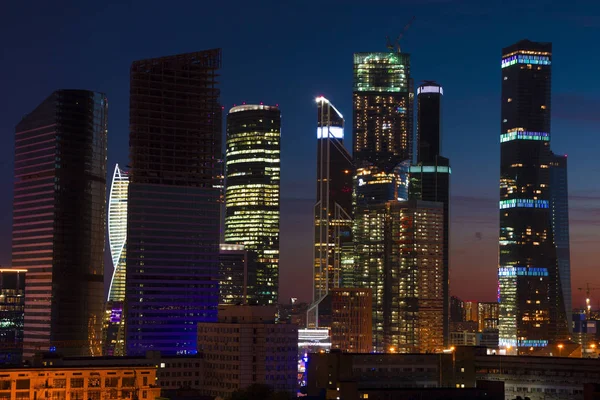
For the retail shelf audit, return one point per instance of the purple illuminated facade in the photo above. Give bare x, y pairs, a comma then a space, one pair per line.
173, 204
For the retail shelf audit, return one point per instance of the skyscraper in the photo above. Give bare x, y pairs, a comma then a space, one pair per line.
59, 213
559, 204
252, 163
333, 208
114, 323
399, 256
173, 207
430, 177
528, 267
383, 109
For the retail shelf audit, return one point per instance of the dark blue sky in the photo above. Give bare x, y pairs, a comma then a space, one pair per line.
289, 52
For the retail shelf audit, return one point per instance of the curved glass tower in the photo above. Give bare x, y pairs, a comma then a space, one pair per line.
117, 238
252, 190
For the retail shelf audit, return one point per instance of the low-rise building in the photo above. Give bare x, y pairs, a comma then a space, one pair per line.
247, 346
173, 373
92, 382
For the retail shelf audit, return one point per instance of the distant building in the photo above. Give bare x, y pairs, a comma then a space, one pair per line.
247, 346
487, 315
173, 221
252, 200
113, 329
12, 314
471, 311
456, 309
237, 274
463, 338
399, 256
465, 326
352, 321
59, 218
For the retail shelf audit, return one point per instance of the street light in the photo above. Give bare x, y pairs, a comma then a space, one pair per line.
560, 347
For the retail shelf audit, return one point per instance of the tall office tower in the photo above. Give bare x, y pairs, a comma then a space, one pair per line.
113, 334
430, 177
252, 168
237, 274
12, 315
559, 204
399, 256
527, 264
382, 110
352, 321
59, 213
173, 206
333, 209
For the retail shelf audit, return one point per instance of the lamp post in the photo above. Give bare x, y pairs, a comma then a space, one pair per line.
560, 347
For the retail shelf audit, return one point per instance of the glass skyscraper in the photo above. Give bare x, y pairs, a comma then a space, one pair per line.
59, 213
173, 201
252, 171
430, 177
532, 305
114, 323
559, 204
399, 256
333, 208
383, 109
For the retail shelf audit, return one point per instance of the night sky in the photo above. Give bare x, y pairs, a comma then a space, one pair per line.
287, 53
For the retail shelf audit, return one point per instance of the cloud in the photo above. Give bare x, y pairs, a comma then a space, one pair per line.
575, 107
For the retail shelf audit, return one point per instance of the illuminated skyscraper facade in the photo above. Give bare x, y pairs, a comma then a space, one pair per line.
173, 201
430, 177
59, 213
399, 256
252, 171
333, 208
532, 308
383, 109
114, 323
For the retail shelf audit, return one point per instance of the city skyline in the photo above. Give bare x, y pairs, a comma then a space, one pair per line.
469, 229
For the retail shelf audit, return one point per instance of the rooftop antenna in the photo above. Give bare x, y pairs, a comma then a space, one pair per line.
396, 45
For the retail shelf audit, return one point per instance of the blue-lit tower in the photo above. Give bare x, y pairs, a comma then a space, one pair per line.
532, 310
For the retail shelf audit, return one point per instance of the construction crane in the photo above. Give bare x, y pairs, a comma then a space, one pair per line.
589, 288
396, 45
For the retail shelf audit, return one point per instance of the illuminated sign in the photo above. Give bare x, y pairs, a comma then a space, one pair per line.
524, 203
525, 59
430, 89
522, 271
336, 132
116, 315
523, 135
430, 169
